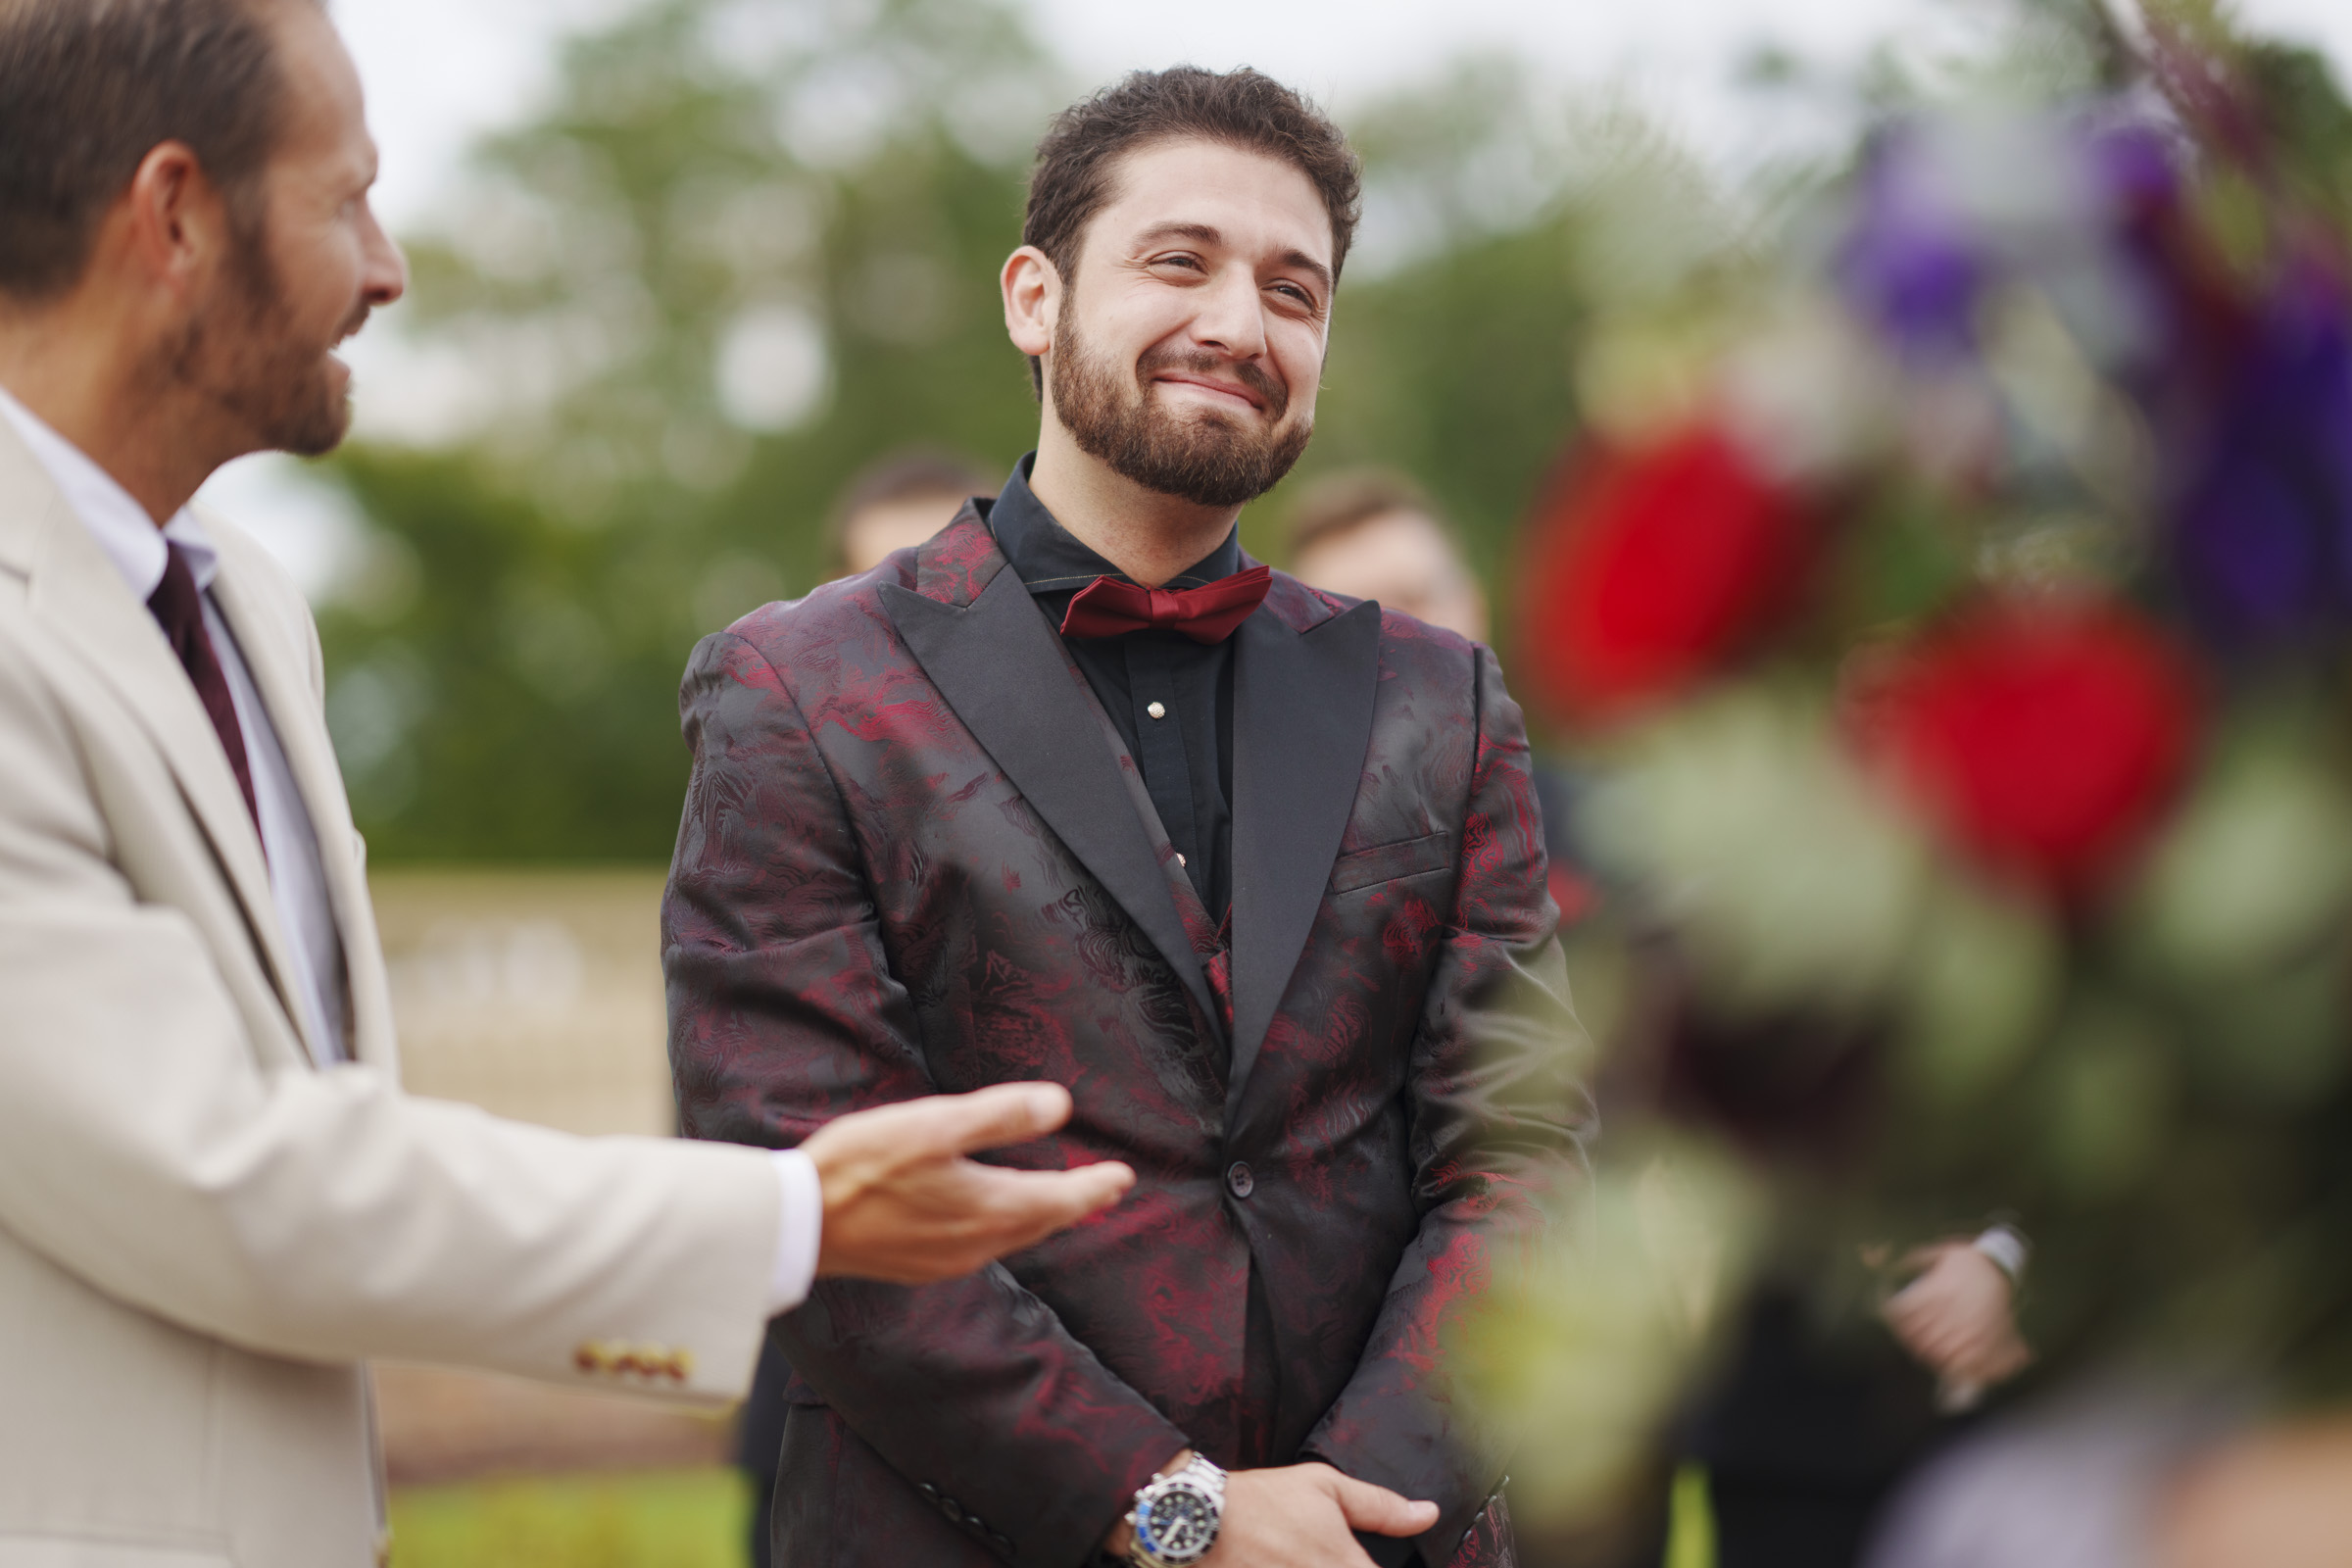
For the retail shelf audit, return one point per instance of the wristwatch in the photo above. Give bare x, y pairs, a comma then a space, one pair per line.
1176, 1517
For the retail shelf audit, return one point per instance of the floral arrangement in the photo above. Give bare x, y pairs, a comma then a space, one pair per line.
1961, 657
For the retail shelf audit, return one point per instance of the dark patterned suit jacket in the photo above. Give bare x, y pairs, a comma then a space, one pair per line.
917, 858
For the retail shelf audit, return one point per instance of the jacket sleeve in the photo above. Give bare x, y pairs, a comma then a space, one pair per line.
783, 1015
324, 1215
1498, 1118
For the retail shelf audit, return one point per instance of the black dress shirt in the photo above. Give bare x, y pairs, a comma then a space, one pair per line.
1184, 749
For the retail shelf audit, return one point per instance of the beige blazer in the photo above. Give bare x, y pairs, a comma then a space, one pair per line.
201, 1237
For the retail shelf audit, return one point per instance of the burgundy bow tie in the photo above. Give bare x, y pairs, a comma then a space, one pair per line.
1109, 607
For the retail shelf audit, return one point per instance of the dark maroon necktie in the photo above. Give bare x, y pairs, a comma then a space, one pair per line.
1108, 607
179, 608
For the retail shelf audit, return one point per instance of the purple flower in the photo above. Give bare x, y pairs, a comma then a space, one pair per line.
1909, 262
2137, 167
2262, 530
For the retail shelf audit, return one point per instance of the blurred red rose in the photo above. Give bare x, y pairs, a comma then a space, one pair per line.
1654, 566
2045, 735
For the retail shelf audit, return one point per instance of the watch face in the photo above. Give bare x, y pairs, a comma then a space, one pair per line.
1180, 1527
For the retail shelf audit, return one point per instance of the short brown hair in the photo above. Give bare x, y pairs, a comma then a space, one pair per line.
1339, 502
89, 88
1245, 109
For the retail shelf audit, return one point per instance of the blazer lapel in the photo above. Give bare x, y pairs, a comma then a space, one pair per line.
1302, 725
75, 591
276, 664
1002, 670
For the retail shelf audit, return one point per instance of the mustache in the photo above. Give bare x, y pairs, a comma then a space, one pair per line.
1197, 362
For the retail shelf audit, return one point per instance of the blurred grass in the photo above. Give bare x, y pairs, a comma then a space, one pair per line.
1690, 1521
699, 1519
661, 1519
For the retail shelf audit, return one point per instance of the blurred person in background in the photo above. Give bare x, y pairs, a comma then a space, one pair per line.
1372, 534
1075, 791
1813, 1422
215, 1200
896, 502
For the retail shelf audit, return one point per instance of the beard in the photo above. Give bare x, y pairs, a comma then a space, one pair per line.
257, 368
1205, 456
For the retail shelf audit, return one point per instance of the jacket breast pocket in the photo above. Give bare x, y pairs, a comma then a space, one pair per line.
1386, 863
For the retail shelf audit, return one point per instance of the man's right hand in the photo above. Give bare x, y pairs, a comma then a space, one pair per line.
905, 1205
1303, 1515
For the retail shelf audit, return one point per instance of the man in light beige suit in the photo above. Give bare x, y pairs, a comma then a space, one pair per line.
215, 1200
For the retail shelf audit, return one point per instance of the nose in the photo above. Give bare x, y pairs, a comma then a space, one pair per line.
385, 278
1232, 317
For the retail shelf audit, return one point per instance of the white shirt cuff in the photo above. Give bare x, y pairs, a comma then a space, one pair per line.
800, 1229
2008, 1248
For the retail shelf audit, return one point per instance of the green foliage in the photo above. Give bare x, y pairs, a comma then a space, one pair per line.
515, 697
745, 251
1457, 371
2309, 118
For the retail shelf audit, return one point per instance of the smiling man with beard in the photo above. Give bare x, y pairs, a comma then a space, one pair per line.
1075, 791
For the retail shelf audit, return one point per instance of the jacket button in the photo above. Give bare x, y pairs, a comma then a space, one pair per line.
953, 1510
1238, 1180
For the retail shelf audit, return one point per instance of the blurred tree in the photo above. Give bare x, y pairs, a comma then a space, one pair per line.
749, 247
1499, 219
745, 249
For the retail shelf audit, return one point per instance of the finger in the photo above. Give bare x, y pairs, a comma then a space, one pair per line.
1380, 1510
1909, 1319
1925, 1289
1048, 1200
1017, 1210
959, 1124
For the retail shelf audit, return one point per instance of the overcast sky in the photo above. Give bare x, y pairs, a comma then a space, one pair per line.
440, 72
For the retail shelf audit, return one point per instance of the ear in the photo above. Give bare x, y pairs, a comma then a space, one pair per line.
1032, 300
172, 222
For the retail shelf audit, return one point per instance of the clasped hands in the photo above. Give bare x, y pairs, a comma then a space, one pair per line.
904, 1203
1957, 1318
1295, 1516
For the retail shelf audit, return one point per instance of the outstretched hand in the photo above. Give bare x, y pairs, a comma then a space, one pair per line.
905, 1205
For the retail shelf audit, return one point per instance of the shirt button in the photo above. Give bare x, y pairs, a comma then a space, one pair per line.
1158, 709
1180, 860
1238, 1180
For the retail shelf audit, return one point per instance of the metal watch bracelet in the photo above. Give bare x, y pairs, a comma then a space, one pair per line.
1176, 1517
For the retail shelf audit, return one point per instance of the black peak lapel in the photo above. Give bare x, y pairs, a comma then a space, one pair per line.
1002, 670
1302, 725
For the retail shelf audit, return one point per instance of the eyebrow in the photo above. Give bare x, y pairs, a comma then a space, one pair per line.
1206, 234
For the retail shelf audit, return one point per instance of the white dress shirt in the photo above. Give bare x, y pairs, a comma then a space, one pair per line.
141, 552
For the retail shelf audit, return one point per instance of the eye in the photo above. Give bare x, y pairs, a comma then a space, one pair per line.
1183, 259
1297, 296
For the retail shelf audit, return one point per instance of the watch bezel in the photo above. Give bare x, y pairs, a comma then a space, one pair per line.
1200, 1479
